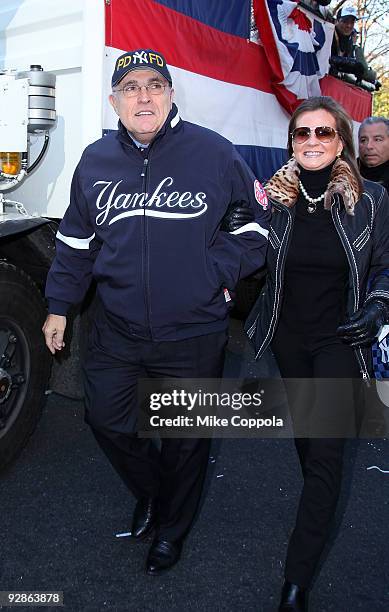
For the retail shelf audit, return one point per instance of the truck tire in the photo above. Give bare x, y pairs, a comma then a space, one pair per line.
25, 362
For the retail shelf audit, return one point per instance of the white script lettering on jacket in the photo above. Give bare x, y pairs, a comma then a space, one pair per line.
109, 199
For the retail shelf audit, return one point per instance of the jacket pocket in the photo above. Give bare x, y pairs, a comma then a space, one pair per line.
274, 240
362, 239
213, 272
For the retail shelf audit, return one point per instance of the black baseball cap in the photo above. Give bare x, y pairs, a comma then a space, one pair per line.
141, 59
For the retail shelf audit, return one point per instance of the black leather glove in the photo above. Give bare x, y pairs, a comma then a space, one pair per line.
237, 215
362, 327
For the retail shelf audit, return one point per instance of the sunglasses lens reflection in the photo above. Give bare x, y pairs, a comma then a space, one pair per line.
322, 133
301, 134
325, 134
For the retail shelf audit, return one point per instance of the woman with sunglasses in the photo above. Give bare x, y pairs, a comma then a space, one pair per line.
329, 235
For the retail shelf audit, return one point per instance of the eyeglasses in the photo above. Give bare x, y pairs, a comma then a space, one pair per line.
131, 90
323, 133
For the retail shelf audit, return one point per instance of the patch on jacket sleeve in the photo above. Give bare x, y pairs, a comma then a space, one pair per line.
260, 195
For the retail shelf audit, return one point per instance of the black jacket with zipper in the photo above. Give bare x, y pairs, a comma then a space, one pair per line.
364, 233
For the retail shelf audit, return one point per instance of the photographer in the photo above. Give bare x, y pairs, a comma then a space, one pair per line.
346, 56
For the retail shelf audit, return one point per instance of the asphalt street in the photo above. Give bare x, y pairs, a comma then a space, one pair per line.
61, 506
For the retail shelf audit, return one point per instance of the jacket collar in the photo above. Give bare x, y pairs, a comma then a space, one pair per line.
378, 174
284, 188
173, 121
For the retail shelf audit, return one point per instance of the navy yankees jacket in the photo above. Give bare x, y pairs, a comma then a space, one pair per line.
146, 225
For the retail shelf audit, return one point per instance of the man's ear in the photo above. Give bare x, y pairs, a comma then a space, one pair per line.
172, 94
112, 101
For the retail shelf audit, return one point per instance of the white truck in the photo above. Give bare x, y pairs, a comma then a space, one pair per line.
66, 38
55, 64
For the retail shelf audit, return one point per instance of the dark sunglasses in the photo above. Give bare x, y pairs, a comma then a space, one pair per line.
323, 133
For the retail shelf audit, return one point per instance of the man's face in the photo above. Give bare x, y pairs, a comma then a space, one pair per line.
374, 144
144, 114
345, 25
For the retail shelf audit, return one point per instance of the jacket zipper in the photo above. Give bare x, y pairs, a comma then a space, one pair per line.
354, 273
144, 175
278, 285
147, 299
279, 270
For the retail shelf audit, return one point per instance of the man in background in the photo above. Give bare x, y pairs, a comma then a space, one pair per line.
373, 139
346, 56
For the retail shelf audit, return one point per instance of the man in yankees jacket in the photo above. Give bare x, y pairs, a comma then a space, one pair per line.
166, 217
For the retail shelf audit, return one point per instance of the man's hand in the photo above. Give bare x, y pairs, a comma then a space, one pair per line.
54, 329
238, 214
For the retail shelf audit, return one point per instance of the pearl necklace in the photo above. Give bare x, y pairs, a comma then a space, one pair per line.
311, 201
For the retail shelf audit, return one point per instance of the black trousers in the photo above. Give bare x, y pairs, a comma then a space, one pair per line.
115, 360
321, 459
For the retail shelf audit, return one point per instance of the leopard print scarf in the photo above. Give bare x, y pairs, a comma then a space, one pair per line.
284, 188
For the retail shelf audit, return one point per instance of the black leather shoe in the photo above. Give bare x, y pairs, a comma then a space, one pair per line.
144, 519
293, 598
162, 556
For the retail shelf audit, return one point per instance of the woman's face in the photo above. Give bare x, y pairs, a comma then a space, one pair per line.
314, 154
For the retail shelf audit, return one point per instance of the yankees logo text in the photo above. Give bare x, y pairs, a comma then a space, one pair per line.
132, 204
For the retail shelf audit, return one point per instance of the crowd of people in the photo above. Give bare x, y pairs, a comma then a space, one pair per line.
166, 217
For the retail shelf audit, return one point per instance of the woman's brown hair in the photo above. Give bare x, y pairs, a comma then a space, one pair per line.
344, 127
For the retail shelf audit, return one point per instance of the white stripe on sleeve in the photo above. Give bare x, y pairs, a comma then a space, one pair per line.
76, 243
252, 227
